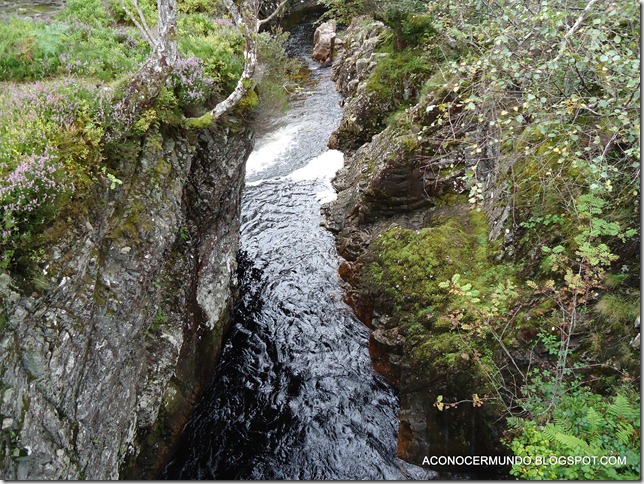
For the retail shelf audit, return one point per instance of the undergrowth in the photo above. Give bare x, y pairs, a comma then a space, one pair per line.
542, 103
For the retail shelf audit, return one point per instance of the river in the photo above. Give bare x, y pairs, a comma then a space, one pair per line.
294, 395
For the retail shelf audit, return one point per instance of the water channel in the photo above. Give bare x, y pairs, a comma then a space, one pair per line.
294, 395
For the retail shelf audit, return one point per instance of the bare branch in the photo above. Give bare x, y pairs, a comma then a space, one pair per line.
246, 18
145, 32
273, 15
244, 84
142, 17
574, 28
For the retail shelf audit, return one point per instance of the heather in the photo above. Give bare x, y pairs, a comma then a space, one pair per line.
63, 108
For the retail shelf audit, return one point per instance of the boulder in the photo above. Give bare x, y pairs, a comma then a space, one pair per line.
324, 41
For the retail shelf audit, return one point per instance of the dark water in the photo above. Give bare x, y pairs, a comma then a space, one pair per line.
294, 395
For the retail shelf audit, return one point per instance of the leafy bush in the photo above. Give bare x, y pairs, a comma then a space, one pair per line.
581, 423
51, 143
345, 11
88, 12
278, 72
220, 52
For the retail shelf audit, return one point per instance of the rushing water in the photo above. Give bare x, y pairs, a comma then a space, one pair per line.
294, 395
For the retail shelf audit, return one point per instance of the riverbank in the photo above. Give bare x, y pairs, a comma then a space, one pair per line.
455, 235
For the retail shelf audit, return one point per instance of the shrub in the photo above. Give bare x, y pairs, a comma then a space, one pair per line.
582, 423
278, 72
189, 83
88, 12
29, 50
220, 52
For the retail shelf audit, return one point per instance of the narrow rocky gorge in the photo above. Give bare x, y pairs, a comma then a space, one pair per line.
139, 349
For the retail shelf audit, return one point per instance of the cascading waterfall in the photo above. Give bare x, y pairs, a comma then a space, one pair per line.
294, 395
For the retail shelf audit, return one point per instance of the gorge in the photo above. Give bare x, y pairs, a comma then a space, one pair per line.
242, 301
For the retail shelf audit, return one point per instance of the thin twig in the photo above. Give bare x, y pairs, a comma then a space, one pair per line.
573, 29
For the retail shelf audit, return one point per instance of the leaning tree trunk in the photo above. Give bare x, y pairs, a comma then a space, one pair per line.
144, 87
247, 20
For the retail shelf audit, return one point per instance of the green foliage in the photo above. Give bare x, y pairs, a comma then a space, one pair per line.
345, 11
80, 42
208, 7
220, 51
581, 424
88, 12
159, 320
406, 18
442, 285
30, 50
148, 8
279, 72
565, 159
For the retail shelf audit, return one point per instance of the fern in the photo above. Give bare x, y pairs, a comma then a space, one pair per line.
593, 419
572, 442
583, 423
624, 432
621, 407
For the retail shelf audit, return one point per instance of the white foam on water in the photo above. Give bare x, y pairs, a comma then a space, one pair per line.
324, 168
269, 153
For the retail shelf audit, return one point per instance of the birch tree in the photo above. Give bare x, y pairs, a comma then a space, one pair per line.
247, 19
146, 84
143, 89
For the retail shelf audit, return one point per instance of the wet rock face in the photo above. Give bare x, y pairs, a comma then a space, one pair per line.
96, 369
363, 110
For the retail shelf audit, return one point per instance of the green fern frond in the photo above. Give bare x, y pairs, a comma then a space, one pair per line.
572, 442
593, 419
624, 432
621, 407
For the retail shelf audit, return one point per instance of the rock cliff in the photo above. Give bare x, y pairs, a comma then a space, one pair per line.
402, 175
434, 217
103, 358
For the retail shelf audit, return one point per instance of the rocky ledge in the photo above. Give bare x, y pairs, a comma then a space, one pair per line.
103, 358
